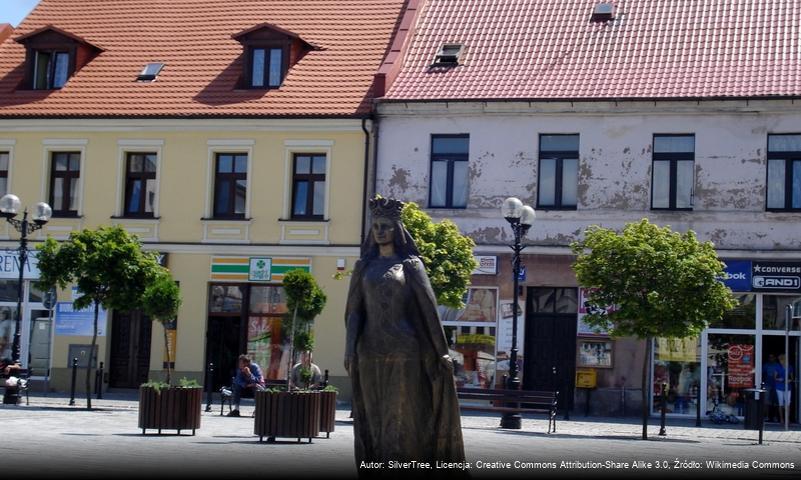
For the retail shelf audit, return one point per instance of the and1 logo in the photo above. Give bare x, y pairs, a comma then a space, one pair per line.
260, 269
777, 282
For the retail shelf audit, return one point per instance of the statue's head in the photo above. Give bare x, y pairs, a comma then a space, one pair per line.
387, 228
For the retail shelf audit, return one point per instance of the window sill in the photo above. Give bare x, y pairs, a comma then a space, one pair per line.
225, 219
668, 210
304, 220
133, 217
66, 215
543, 208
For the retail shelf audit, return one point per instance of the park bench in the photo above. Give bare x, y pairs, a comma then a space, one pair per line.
227, 393
510, 401
12, 394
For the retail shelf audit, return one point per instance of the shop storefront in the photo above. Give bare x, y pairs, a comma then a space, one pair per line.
35, 346
733, 354
246, 308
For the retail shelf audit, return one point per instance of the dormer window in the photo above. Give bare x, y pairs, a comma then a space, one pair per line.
269, 53
267, 67
53, 56
50, 69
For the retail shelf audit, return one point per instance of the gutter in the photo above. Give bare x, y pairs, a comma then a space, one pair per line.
365, 193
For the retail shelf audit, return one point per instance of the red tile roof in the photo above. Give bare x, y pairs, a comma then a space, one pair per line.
194, 39
549, 49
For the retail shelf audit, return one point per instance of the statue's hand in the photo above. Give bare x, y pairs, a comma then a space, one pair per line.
348, 362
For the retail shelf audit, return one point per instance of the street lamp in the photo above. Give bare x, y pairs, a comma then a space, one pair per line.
520, 217
9, 208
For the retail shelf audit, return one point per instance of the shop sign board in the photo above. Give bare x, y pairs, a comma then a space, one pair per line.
737, 275
9, 265
255, 269
487, 265
776, 276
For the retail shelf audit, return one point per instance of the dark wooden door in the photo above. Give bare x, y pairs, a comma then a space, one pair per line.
130, 349
224, 344
550, 343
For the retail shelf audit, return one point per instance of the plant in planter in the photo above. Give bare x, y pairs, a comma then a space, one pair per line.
162, 405
109, 268
295, 413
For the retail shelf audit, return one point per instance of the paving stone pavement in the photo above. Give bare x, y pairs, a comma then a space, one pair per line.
50, 439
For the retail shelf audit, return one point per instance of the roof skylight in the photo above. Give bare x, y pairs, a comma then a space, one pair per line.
150, 72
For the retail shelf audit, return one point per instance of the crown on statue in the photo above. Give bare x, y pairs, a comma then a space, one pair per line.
386, 207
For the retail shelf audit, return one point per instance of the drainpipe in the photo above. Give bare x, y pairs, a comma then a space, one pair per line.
366, 193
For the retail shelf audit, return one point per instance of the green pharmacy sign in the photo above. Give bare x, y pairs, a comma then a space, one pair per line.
260, 269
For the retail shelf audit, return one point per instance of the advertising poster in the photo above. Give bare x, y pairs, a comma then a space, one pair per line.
172, 341
78, 323
677, 349
504, 340
741, 366
583, 329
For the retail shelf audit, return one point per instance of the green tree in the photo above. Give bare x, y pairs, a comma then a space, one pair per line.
446, 253
161, 301
649, 281
107, 265
305, 300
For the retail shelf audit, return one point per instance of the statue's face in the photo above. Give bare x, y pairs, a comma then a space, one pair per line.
383, 231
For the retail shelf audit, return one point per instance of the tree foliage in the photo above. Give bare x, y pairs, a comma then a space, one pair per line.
445, 252
648, 281
107, 265
658, 283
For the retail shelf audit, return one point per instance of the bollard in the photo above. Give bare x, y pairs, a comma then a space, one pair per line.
209, 386
74, 377
99, 382
325, 379
664, 410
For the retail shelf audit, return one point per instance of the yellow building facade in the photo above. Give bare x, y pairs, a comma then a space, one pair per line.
228, 264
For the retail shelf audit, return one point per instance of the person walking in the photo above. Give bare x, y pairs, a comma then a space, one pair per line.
783, 389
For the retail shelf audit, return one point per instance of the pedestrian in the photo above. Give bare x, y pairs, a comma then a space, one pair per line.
247, 377
769, 373
783, 389
315, 375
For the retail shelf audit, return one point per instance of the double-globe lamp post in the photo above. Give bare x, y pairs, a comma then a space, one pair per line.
520, 217
9, 208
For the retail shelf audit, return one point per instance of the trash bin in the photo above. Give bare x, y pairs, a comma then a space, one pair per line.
754, 408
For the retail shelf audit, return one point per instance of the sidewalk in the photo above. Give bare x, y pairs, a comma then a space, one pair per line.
51, 439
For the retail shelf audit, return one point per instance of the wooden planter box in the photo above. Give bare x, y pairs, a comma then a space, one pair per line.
288, 414
328, 412
170, 409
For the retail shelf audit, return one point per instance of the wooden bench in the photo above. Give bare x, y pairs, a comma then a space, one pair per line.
511, 401
23, 385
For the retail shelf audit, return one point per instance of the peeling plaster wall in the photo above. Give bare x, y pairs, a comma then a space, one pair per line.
614, 181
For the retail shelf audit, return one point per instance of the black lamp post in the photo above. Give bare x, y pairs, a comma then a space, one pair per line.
9, 208
521, 218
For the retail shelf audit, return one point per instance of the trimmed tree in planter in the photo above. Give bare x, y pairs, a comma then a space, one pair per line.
296, 413
650, 282
162, 405
109, 268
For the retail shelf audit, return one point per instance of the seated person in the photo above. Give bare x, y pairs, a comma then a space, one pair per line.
248, 376
9, 367
316, 375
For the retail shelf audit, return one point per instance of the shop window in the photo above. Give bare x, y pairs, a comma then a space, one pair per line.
225, 299
65, 174
730, 370
741, 316
784, 172
677, 365
267, 344
308, 187
8, 326
3, 173
140, 184
773, 311
449, 157
471, 334
557, 185
673, 177
230, 185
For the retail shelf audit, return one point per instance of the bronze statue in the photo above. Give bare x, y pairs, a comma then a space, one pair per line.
404, 396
